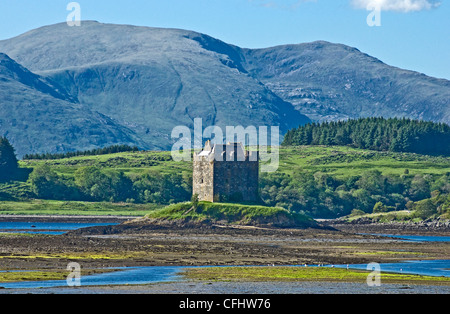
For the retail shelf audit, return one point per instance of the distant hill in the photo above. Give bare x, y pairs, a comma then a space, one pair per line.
321, 181
143, 81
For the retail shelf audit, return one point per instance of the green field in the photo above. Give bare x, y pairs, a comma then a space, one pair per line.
343, 164
335, 160
131, 163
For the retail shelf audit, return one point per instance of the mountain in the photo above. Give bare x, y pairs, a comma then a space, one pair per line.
148, 80
330, 82
38, 115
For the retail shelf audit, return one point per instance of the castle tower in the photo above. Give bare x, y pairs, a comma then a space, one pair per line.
226, 173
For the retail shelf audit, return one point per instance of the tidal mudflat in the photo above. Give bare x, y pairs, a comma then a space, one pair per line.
116, 246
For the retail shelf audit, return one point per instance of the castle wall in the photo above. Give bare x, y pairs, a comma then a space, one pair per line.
203, 180
236, 179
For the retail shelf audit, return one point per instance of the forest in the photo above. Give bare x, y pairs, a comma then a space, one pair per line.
394, 135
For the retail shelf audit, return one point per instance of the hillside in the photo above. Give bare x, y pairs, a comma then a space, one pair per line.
144, 81
37, 115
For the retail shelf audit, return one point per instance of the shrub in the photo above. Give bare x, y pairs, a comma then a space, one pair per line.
424, 209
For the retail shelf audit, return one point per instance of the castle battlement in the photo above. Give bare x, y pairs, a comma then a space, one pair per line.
226, 152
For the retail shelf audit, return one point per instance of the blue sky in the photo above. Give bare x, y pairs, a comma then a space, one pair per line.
414, 34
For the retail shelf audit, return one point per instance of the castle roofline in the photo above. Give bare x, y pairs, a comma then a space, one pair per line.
226, 152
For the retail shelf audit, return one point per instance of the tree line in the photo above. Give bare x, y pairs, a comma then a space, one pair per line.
322, 195
394, 134
98, 151
101, 185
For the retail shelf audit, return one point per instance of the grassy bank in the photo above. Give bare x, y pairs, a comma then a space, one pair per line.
237, 214
288, 274
50, 207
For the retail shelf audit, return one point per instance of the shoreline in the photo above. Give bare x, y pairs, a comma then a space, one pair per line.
401, 228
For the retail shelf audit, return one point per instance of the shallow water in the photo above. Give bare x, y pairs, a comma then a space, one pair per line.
436, 268
49, 228
417, 238
123, 276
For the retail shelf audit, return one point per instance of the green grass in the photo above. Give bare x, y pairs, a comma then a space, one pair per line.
335, 160
49, 207
384, 217
288, 274
14, 276
344, 162
131, 163
233, 214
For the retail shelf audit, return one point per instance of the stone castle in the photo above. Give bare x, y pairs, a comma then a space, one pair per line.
226, 173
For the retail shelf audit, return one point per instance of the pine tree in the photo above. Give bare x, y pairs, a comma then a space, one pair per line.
8, 160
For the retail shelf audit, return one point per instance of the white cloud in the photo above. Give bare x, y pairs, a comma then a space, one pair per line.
397, 5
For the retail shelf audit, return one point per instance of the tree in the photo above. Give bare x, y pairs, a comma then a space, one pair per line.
93, 183
380, 208
47, 184
424, 209
398, 135
373, 181
420, 188
8, 160
122, 187
363, 200
97, 185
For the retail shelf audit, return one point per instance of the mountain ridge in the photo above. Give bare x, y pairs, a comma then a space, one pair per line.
148, 80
